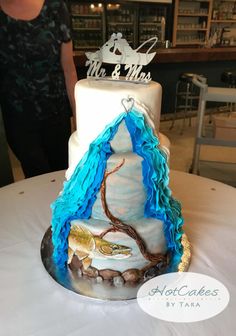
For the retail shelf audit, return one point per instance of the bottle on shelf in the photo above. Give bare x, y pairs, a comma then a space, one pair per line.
163, 29
215, 11
234, 11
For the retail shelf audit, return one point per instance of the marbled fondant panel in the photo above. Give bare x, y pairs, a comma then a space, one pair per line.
122, 141
150, 230
125, 193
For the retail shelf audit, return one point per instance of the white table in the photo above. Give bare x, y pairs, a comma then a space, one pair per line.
33, 304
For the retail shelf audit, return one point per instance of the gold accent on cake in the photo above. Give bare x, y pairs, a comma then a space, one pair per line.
186, 257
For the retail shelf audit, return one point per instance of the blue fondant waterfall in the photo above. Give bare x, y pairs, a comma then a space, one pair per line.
79, 193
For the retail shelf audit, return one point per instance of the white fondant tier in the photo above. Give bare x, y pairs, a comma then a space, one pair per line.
74, 151
125, 192
150, 230
98, 103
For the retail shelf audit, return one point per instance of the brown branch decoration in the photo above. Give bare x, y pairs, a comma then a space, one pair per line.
118, 225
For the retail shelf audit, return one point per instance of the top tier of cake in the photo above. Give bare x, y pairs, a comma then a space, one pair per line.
99, 102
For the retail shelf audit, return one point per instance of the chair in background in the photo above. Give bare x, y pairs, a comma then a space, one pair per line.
229, 78
186, 97
209, 94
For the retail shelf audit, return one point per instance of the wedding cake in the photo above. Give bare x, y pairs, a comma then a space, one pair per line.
115, 221
115, 216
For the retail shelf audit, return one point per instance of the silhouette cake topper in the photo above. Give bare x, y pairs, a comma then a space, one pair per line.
117, 51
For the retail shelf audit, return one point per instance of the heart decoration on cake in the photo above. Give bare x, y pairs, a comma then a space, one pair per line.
127, 103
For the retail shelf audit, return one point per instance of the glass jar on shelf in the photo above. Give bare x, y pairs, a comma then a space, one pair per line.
234, 11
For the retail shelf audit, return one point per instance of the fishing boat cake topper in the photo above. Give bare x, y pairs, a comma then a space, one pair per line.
118, 51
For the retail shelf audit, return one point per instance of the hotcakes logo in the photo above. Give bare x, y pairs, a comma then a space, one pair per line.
183, 297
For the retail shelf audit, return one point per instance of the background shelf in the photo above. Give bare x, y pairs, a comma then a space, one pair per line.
94, 22
192, 21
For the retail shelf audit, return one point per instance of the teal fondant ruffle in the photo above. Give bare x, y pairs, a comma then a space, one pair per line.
159, 204
79, 193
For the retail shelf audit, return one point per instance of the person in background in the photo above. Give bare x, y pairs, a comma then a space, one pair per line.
37, 79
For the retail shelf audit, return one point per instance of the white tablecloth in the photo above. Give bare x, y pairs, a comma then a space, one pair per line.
32, 303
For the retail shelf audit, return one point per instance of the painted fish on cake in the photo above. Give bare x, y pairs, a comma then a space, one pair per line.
85, 246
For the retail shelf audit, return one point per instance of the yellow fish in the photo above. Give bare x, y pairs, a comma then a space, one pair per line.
86, 246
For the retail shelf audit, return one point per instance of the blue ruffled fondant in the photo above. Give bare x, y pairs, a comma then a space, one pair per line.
79, 193
159, 204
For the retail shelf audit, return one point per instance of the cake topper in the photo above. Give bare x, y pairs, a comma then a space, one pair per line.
117, 51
